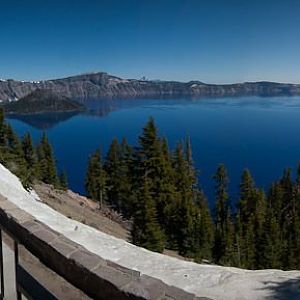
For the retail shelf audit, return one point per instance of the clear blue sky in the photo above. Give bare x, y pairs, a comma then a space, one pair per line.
209, 40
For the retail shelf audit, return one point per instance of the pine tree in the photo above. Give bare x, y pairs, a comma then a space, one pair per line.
248, 221
63, 180
165, 186
149, 141
288, 218
117, 166
112, 167
2, 128
276, 200
146, 231
247, 190
46, 162
13, 146
152, 160
28, 162
295, 222
185, 207
297, 183
190, 162
126, 196
204, 230
29, 151
149, 154
287, 186
13, 142
23, 159
224, 232
96, 178
292, 261
270, 243
259, 218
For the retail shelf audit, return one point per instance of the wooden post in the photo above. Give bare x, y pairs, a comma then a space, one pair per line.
16, 250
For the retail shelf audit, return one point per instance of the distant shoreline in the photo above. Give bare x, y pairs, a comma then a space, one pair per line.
104, 86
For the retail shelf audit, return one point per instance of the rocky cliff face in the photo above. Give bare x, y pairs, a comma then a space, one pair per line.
103, 85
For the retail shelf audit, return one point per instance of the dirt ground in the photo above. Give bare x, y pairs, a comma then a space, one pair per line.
84, 210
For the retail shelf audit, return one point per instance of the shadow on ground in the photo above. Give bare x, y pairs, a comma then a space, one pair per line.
287, 290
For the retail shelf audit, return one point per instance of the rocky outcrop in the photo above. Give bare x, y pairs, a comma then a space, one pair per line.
102, 85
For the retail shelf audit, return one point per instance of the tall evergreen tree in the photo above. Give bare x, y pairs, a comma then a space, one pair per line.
295, 221
288, 218
245, 236
29, 151
287, 186
152, 159
118, 166
146, 231
2, 128
30, 168
276, 199
270, 243
259, 218
224, 235
165, 186
204, 230
186, 205
114, 176
46, 161
297, 182
13, 142
13, 145
63, 180
96, 178
190, 162
126, 166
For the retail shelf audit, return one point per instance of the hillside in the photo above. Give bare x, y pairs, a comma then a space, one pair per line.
102, 85
211, 281
41, 101
84, 210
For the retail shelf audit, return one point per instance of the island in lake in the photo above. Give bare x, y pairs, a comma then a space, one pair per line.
42, 101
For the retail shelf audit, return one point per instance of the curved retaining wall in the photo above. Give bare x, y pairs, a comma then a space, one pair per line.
98, 278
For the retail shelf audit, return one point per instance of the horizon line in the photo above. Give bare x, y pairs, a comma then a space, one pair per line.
144, 78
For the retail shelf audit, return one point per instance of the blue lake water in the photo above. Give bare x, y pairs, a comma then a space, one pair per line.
261, 134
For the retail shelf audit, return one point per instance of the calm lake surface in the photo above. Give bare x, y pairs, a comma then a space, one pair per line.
261, 134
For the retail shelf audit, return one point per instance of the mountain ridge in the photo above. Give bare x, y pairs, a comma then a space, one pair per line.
103, 85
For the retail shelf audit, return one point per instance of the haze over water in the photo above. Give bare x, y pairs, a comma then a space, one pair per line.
261, 134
